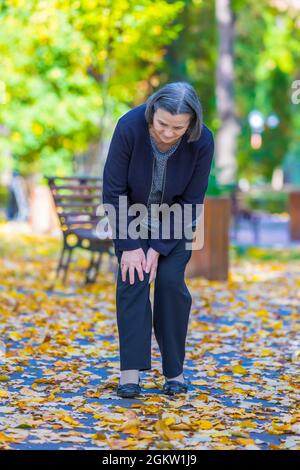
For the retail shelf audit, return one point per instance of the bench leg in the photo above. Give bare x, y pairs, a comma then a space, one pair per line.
66, 266
93, 268
60, 262
63, 265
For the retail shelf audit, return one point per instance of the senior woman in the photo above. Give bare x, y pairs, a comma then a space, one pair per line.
160, 153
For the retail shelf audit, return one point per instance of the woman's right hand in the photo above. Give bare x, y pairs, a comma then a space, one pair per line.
131, 260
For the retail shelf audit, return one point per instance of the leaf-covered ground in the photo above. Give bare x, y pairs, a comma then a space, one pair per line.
60, 366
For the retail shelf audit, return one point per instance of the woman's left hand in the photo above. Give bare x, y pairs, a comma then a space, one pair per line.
151, 264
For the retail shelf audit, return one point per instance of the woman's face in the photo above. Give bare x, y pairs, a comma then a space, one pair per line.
168, 127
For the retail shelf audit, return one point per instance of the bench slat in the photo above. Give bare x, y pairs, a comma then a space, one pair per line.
78, 213
78, 204
79, 187
72, 197
74, 178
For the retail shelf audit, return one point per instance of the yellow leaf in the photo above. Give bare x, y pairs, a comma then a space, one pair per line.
202, 397
245, 442
238, 390
4, 378
211, 373
281, 428
266, 352
204, 424
132, 425
15, 336
262, 313
248, 424
225, 440
5, 437
225, 378
277, 325
199, 382
182, 427
99, 437
238, 369
170, 420
69, 420
43, 347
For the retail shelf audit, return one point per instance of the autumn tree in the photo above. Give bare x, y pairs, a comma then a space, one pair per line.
68, 68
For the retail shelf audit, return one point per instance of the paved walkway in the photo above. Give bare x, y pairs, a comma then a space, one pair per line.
60, 365
273, 231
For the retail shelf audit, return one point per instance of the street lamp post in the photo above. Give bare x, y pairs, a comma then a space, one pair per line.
257, 122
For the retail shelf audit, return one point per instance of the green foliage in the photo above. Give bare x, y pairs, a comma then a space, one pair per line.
267, 53
3, 196
214, 188
283, 255
69, 68
71, 64
272, 202
192, 56
291, 164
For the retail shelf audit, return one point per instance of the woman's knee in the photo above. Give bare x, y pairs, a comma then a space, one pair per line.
169, 280
138, 284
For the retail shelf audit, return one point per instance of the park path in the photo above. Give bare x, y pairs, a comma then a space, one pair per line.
59, 359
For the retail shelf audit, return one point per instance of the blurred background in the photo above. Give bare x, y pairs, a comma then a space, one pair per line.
70, 68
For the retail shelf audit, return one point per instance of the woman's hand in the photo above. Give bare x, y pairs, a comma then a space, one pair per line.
131, 260
151, 265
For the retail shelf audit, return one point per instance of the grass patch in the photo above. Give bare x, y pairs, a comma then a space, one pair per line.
265, 254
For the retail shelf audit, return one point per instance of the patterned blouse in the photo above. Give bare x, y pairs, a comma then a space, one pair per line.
158, 181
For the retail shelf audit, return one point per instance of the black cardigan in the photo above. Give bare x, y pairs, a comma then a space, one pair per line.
128, 172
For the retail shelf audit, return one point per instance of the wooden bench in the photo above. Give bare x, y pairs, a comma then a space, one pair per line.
77, 201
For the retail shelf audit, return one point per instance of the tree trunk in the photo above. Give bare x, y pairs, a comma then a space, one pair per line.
226, 139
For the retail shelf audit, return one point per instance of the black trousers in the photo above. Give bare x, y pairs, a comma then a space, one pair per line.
171, 310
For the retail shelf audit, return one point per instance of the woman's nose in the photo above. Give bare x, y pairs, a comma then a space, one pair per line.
168, 134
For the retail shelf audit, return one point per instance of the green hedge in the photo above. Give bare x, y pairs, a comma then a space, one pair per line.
273, 202
3, 196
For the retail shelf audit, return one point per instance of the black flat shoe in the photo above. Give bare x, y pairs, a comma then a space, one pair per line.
172, 387
129, 390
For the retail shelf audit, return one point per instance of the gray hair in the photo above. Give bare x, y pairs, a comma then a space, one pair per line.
177, 98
